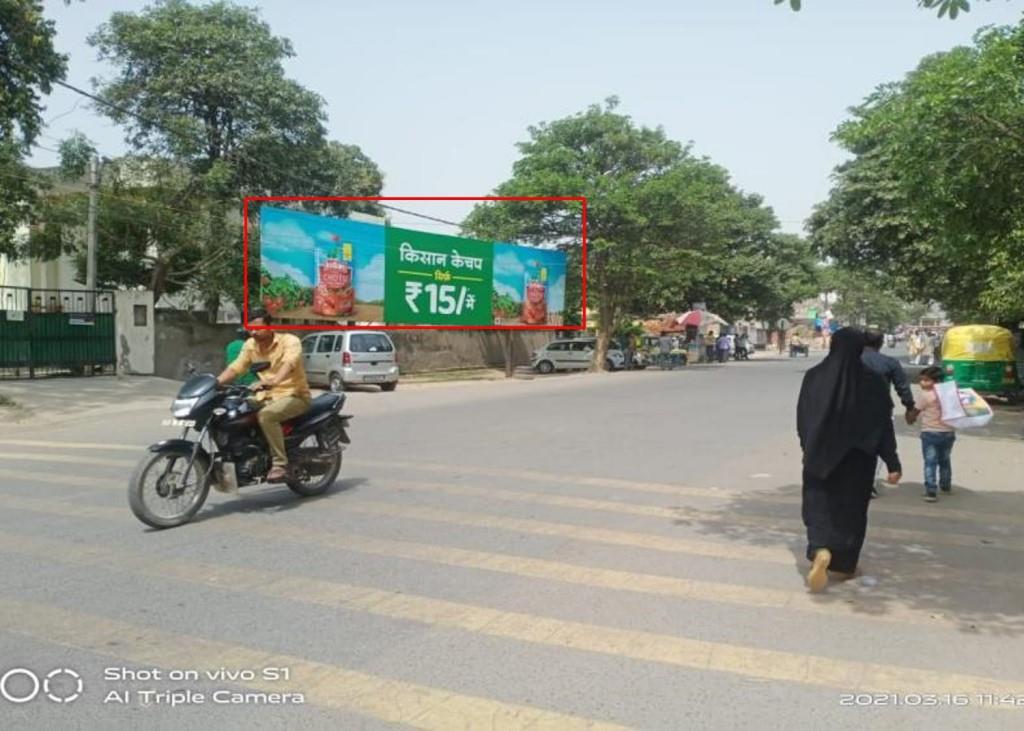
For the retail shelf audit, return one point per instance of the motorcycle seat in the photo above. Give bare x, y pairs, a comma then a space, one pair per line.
322, 404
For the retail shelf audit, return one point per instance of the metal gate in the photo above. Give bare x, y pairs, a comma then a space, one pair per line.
46, 332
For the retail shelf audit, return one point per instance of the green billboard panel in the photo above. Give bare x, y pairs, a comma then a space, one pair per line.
432, 279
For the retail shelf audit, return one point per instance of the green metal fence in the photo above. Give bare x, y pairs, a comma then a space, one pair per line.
50, 332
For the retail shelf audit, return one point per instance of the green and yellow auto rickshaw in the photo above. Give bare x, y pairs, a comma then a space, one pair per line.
982, 357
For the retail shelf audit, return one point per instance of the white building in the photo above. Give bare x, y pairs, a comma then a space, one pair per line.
55, 274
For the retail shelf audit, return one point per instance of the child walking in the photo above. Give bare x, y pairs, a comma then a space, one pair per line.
937, 438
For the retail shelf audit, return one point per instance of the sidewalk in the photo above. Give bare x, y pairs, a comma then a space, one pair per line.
54, 400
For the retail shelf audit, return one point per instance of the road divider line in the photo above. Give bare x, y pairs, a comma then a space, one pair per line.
761, 664
51, 478
590, 534
682, 515
325, 685
921, 572
713, 493
68, 459
95, 446
865, 608
667, 544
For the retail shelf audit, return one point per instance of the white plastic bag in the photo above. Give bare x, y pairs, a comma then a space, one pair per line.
962, 408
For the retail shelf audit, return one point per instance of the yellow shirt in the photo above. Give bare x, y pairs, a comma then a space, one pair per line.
283, 350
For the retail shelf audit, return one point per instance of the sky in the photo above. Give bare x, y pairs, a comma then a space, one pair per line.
438, 93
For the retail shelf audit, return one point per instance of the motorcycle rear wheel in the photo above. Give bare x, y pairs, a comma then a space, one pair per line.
144, 503
313, 485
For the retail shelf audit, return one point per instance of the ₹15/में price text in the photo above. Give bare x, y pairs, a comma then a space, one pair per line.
441, 299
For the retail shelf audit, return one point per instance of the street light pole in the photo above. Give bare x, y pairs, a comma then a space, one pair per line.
90, 262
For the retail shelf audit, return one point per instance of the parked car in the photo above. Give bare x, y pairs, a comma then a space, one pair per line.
339, 359
575, 354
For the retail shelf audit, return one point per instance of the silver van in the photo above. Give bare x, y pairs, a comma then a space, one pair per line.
338, 359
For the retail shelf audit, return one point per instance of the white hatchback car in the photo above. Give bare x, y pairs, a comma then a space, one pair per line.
338, 359
575, 354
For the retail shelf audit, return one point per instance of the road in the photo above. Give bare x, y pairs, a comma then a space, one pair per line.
595, 551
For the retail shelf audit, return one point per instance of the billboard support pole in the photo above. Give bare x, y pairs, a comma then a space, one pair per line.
507, 351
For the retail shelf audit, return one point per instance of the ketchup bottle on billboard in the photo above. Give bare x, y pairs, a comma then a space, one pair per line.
334, 295
535, 299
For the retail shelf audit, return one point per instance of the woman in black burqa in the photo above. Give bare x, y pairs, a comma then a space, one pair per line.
844, 422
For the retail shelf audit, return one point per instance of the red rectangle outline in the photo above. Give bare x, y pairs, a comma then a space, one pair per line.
271, 198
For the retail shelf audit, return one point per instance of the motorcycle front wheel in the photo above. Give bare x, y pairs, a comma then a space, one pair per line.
161, 495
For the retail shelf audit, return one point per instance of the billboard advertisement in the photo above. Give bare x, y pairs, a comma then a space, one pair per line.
319, 267
333, 270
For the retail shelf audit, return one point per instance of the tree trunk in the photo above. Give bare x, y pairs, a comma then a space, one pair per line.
211, 303
606, 318
158, 279
507, 352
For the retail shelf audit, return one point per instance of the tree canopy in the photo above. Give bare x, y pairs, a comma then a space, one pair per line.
946, 8
665, 227
210, 116
861, 301
933, 198
29, 65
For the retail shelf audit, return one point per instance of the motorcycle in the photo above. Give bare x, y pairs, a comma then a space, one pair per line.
171, 483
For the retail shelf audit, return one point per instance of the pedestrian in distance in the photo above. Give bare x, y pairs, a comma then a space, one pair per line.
930, 344
937, 437
844, 423
709, 346
916, 347
665, 351
797, 346
722, 346
743, 346
892, 373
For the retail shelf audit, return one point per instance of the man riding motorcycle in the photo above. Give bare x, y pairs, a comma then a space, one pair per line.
282, 391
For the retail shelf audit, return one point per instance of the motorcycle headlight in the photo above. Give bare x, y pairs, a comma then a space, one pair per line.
183, 406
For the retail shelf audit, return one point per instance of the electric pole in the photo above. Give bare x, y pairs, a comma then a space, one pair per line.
90, 263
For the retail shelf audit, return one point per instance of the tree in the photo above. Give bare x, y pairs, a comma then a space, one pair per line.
143, 239
784, 274
861, 302
29, 65
19, 188
205, 87
934, 197
599, 154
665, 227
950, 8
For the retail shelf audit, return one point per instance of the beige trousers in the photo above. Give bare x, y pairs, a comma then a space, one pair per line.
270, 416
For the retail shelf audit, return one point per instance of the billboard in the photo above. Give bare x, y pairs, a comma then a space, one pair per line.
333, 270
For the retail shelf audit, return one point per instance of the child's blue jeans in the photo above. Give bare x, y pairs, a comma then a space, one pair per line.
937, 447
